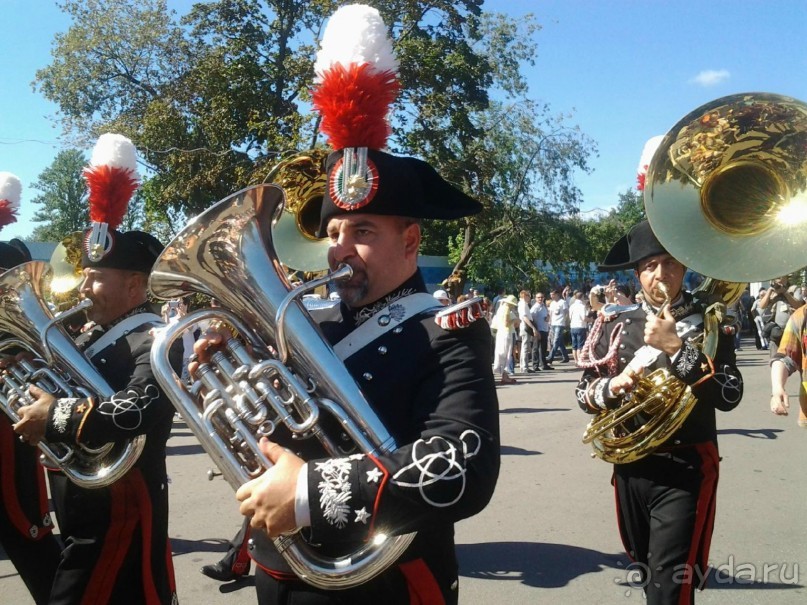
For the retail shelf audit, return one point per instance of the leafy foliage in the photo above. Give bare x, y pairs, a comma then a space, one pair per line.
63, 198
213, 99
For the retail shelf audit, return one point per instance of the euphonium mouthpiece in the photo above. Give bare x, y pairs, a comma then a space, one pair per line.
343, 271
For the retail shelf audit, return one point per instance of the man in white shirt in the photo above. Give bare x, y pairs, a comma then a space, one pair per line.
527, 331
540, 317
558, 318
577, 323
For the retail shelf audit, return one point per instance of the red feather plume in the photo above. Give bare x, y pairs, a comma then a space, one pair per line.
640, 180
354, 102
8, 213
110, 189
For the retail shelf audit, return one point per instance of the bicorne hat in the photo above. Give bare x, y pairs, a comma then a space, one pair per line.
111, 182
638, 244
356, 83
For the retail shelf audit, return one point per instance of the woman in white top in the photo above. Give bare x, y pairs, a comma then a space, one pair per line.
504, 322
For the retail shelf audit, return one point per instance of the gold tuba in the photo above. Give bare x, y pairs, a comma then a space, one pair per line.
57, 366
228, 253
294, 233
726, 195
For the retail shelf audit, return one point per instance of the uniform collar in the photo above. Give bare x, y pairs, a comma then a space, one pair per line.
680, 307
142, 308
359, 315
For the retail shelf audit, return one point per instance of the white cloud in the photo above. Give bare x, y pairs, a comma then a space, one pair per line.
711, 77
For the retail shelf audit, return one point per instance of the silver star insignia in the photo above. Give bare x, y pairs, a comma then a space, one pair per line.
374, 475
362, 515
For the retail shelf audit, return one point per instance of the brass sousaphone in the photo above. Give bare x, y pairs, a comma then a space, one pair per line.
726, 195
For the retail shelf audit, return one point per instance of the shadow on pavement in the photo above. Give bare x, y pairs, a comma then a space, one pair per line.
753, 433
180, 546
537, 564
533, 410
509, 450
184, 450
750, 577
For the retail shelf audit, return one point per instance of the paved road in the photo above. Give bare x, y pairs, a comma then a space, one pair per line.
549, 535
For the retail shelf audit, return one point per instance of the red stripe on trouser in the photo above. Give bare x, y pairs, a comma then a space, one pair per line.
423, 588
8, 462
241, 563
117, 540
129, 491
146, 513
704, 519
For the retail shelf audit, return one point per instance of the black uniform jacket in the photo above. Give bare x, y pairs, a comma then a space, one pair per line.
139, 407
716, 382
434, 391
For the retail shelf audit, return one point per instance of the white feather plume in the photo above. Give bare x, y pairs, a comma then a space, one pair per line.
114, 150
647, 153
10, 189
355, 34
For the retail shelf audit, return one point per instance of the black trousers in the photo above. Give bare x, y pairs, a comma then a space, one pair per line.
25, 525
665, 509
540, 350
116, 543
237, 558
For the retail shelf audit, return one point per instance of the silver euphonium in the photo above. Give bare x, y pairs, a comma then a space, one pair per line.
290, 377
52, 362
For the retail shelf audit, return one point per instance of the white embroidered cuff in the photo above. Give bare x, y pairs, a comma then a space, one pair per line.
302, 514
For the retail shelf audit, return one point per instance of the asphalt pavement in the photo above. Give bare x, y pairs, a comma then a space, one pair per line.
549, 535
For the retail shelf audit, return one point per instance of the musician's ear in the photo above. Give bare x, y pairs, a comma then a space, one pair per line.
412, 237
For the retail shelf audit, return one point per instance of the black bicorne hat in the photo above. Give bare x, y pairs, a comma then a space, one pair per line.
128, 251
393, 186
639, 243
13, 253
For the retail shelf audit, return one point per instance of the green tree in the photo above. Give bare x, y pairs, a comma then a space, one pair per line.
213, 100
513, 153
603, 232
63, 197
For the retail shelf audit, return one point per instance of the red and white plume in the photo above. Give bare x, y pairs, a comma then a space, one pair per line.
111, 182
10, 194
356, 79
111, 178
644, 163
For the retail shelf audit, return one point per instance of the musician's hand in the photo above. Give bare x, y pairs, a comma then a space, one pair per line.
624, 382
10, 360
269, 499
213, 339
780, 404
659, 332
34, 417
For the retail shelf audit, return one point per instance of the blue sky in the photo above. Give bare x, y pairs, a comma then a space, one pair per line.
628, 70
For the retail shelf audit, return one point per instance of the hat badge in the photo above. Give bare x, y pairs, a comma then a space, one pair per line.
354, 179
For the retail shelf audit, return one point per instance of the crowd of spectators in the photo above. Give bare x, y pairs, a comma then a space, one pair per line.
533, 330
